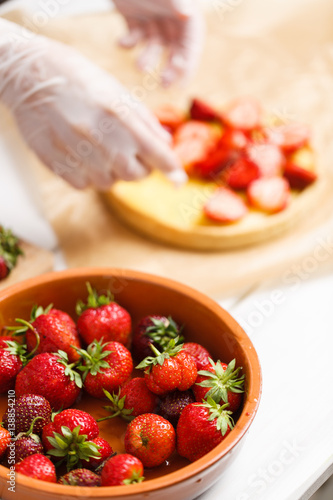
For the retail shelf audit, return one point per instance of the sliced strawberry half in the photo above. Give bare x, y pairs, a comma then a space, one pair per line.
289, 137
193, 141
268, 157
241, 173
234, 139
269, 194
243, 113
298, 177
214, 163
225, 206
170, 117
200, 110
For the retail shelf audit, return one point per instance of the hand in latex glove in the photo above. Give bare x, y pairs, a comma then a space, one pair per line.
174, 24
78, 119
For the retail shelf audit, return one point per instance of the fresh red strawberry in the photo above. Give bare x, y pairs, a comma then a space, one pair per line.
243, 113
151, 438
290, 136
72, 447
133, 399
298, 177
193, 141
172, 369
80, 477
241, 173
105, 366
234, 139
268, 158
154, 329
9, 252
101, 318
27, 443
199, 353
52, 329
225, 206
72, 440
269, 194
5, 438
25, 446
201, 427
4, 339
105, 451
72, 417
173, 404
200, 110
122, 469
27, 408
37, 466
48, 431
216, 161
221, 382
4, 271
10, 365
169, 117
51, 376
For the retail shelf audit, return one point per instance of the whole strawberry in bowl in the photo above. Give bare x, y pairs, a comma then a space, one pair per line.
203, 322
28, 409
102, 318
154, 329
49, 330
105, 367
169, 370
151, 438
221, 382
61, 383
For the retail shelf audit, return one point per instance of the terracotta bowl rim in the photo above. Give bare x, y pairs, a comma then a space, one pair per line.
193, 469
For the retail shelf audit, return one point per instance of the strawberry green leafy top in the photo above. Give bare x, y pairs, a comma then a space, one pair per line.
94, 300
221, 381
9, 248
217, 412
162, 330
172, 349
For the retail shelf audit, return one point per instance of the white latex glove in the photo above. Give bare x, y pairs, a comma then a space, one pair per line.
76, 117
174, 24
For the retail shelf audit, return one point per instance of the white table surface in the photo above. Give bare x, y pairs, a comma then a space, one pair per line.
288, 450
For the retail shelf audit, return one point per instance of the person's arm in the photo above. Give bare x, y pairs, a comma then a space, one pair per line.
174, 26
79, 120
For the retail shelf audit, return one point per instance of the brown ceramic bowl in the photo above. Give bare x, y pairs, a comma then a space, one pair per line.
142, 294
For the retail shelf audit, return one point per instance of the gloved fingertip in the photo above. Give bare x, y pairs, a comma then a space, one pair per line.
183, 8
131, 39
126, 42
166, 136
77, 183
177, 177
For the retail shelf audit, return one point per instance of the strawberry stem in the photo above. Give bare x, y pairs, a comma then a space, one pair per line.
172, 349
31, 428
94, 300
117, 408
92, 359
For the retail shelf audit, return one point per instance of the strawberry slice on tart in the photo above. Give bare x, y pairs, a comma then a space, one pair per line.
225, 206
